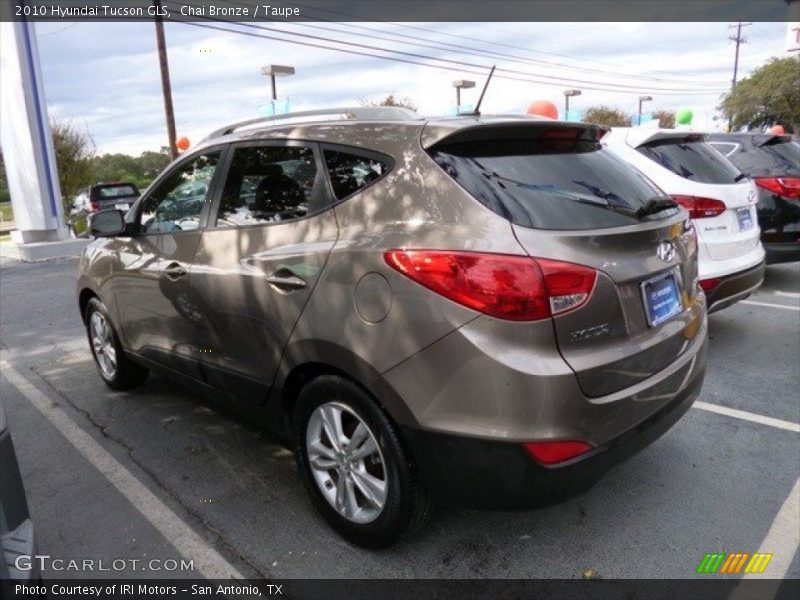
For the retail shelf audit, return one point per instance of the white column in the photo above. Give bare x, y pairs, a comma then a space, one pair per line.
28, 155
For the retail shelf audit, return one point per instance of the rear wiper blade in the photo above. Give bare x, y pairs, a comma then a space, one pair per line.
740, 176
654, 205
570, 195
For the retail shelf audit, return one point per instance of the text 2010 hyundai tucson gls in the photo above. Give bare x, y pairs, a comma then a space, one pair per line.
488, 311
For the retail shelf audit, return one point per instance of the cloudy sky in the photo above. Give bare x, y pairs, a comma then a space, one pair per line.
104, 76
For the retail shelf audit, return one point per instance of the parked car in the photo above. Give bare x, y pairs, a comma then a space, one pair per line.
486, 311
773, 162
94, 198
16, 527
720, 200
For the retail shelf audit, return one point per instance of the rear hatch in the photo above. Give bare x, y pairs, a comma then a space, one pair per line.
570, 199
114, 195
718, 196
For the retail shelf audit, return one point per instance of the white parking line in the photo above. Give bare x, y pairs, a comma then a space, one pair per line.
783, 537
786, 294
748, 416
207, 561
770, 305
782, 541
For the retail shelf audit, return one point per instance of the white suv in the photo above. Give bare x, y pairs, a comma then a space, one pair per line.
720, 199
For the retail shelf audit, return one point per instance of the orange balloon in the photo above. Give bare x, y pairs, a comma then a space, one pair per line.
182, 143
543, 108
776, 130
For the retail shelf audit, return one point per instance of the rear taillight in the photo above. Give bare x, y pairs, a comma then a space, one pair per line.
516, 288
554, 452
709, 284
568, 285
783, 186
95, 206
701, 208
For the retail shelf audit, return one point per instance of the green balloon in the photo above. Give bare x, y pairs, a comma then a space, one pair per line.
684, 116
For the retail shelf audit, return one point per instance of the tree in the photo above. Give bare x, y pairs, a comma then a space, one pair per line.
770, 95
605, 115
666, 118
152, 163
140, 170
391, 100
5, 195
74, 150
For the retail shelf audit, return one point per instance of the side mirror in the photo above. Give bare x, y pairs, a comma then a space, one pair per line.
107, 223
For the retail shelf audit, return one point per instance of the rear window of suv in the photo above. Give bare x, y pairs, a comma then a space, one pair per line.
549, 184
769, 157
116, 191
694, 160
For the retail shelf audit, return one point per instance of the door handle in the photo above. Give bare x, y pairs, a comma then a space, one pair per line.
286, 281
174, 271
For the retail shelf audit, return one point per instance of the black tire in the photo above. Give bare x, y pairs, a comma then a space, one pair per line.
407, 506
127, 374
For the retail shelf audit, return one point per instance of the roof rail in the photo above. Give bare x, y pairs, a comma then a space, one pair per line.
368, 113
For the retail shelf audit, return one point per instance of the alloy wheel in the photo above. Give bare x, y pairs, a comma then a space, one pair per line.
346, 462
102, 338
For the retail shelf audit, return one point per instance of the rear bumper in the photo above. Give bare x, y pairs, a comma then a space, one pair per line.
782, 252
735, 287
487, 474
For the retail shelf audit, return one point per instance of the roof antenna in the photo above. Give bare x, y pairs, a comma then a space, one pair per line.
477, 110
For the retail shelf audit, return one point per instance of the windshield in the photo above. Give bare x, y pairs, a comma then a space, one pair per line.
696, 161
546, 184
780, 157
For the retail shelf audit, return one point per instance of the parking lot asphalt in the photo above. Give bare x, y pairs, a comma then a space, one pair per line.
159, 473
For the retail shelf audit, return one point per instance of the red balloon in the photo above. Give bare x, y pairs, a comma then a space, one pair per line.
776, 130
182, 143
543, 108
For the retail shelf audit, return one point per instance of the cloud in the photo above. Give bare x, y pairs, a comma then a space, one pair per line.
106, 74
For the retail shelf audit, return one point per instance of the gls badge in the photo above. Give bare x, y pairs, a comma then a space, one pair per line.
666, 251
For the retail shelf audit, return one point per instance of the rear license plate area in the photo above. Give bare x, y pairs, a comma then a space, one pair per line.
661, 299
745, 218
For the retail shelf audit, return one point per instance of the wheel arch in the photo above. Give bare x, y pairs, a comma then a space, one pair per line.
84, 296
307, 360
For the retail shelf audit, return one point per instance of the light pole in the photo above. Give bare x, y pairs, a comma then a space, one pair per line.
642, 99
275, 71
166, 87
567, 95
459, 84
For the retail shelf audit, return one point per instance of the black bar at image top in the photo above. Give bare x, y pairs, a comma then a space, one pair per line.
399, 10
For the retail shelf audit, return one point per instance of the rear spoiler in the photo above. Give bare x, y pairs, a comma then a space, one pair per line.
435, 134
774, 139
639, 137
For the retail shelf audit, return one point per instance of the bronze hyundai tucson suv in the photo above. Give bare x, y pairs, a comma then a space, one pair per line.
484, 311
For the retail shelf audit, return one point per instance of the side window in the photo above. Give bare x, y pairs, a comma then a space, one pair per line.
349, 173
177, 203
267, 184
